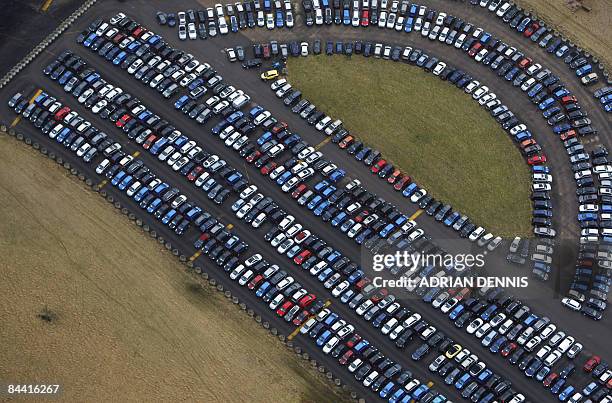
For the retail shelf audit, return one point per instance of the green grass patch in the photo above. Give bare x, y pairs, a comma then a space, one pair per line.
430, 129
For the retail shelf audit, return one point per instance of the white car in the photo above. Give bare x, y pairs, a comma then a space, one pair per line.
269, 21
191, 30
304, 48
223, 26
439, 68
571, 304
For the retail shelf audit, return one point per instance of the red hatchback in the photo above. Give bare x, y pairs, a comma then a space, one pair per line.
508, 349
307, 300
394, 176
253, 156
346, 357
299, 259
399, 185
149, 142
378, 166
195, 172
255, 282
550, 379
592, 363
284, 308
347, 141
299, 190
268, 167
61, 114
567, 135
536, 160
531, 29
123, 120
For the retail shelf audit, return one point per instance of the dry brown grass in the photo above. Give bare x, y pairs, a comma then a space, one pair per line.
127, 323
591, 30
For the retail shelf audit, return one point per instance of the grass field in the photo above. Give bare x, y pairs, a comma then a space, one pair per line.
591, 30
430, 129
122, 320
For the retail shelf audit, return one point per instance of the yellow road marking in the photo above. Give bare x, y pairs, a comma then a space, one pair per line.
37, 93
430, 384
297, 329
16, 121
45, 6
136, 154
416, 214
195, 255
102, 184
230, 226
321, 144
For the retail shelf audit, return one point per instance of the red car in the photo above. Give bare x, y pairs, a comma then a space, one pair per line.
284, 308
123, 120
346, 357
255, 282
568, 99
508, 349
149, 142
268, 167
299, 319
252, 157
195, 172
536, 160
361, 216
474, 49
61, 114
527, 143
118, 38
378, 166
299, 259
394, 176
266, 51
299, 190
306, 300
380, 294
550, 379
524, 63
279, 127
568, 135
399, 185
592, 363
355, 338
301, 235
138, 32
347, 141
365, 18
531, 29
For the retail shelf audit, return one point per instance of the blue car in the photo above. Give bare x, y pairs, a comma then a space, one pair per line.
125, 182
450, 220
461, 382
325, 274
181, 101
256, 110
234, 117
586, 69
409, 190
420, 391
323, 338
117, 178
321, 208
154, 205
567, 392
397, 395
141, 194
456, 312
337, 220
337, 175
362, 345
546, 103
386, 230
169, 216
314, 202
524, 135
497, 345
328, 191
355, 276
486, 315
263, 289
346, 17
332, 257
331, 319
92, 78
119, 58
484, 375
409, 24
89, 40
384, 392
161, 188
543, 169
283, 178
321, 186
279, 19
534, 90
267, 136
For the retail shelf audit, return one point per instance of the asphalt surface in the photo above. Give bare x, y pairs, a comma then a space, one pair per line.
595, 339
17, 36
